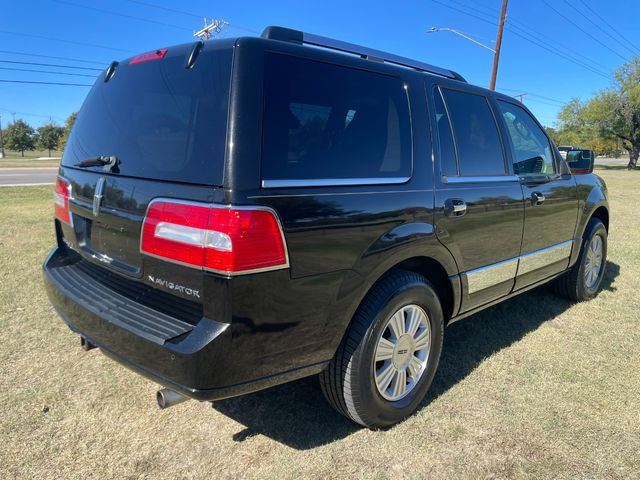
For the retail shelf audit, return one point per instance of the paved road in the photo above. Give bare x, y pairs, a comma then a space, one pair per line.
612, 161
27, 176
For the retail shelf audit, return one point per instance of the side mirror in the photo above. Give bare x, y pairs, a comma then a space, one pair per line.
580, 161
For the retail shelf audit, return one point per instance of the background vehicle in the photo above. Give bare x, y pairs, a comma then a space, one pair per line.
563, 149
245, 212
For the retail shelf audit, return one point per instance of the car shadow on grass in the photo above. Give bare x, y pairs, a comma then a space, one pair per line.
296, 414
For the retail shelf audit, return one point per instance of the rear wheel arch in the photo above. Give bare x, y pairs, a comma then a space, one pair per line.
430, 268
436, 274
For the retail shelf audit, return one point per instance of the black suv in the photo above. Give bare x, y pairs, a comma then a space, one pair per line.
240, 213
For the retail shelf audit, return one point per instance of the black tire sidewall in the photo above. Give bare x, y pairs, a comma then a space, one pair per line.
373, 408
594, 228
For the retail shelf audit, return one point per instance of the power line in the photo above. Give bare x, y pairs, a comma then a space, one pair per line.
490, 22
597, 25
609, 25
577, 56
47, 83
533, 95
46, 71
523, 28
26, 114
72, 42
190, 14
583, 31
535, 42
166, 9
133, 17
535, 100
559, 54
53, 57
50, 65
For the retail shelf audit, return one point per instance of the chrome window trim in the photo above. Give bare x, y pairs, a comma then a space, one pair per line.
489, 178
333, 182
484, 277
494, 274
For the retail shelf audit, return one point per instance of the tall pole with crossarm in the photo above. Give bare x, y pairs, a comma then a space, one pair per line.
496, 55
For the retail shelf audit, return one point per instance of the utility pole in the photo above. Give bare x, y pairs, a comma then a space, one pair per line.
520, 96
496, 56
213, 28
1, 141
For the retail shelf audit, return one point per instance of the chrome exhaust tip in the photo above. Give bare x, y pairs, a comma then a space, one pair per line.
168, 398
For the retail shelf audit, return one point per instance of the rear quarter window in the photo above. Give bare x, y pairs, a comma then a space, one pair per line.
476, 134
324, 121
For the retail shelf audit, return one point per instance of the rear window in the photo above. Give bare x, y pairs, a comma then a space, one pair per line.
324, 121
160, 119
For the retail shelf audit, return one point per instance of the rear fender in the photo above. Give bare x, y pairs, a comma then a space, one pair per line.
404, 242
592, 194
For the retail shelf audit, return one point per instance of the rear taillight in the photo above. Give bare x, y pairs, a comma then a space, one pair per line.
61, 194
227, 240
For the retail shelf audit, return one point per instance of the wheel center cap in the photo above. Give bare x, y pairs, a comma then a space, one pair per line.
403, 351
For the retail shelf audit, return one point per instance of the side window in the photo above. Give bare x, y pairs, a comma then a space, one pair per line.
531, 148
324, 121
448, 163
475, 133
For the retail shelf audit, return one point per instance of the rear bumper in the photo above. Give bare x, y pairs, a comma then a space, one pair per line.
191, 356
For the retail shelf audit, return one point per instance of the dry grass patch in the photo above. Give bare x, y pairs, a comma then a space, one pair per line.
535, 387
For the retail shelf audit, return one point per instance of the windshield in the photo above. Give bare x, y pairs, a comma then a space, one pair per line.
161, 120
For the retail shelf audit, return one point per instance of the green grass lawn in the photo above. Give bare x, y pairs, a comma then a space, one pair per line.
533, 388
16, 160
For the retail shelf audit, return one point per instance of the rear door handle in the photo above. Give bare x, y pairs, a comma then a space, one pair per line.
455, 207
537, 198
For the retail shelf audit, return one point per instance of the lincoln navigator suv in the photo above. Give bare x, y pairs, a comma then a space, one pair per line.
239, 213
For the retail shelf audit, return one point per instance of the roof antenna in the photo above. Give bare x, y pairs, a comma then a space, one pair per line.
211, 29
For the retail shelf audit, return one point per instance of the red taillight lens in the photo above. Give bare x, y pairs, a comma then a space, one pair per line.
61, 194
227, 240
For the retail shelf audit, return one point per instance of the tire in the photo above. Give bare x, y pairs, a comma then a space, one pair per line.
576, 285
399, 301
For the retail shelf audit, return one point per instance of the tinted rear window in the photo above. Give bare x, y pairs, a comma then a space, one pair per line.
161, 120
475, 133
448, 163
324, 121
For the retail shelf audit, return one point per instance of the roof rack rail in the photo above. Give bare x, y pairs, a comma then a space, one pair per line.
296, 36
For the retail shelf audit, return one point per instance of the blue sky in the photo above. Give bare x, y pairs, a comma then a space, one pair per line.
96, 36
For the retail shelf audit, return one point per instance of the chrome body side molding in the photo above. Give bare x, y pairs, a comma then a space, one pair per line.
488, 276
546, 256
485, 277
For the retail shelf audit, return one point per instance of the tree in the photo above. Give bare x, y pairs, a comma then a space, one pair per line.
48, 137
68, 125
612, 115
20, 136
